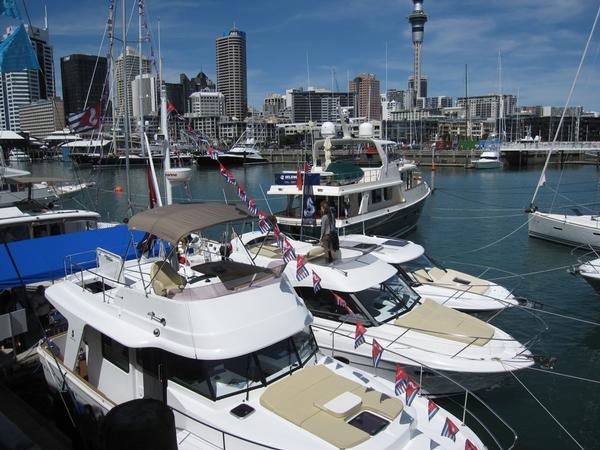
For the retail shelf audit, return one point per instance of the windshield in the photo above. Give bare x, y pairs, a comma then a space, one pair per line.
388, 300
222, 378
422, 262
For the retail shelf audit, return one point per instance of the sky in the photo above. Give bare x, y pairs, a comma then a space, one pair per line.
291, 44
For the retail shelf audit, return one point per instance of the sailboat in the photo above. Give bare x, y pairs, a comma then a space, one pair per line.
569, 229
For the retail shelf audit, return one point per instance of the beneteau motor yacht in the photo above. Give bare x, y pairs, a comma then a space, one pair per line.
427, 338
431, 280
228, 347
372, 188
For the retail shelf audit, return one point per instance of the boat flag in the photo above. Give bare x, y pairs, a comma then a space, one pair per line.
298, 179
432, 409
88, 119
241, 193
401, 380
263, 223
339, 301
411, 391
252, 206
316, 282
376, 351
227, 174
359, 334
542, 180
279, 238
469, 445
301, 271
213, 153
170, 108
289, 254
449, 429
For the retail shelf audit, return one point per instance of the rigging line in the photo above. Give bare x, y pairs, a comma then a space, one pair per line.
561, 374
493, 243
562, 117
463, 198
542, 405
569, 199
532, 273
562, 316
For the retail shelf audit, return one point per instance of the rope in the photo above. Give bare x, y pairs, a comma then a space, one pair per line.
531, 273
477, 217
545, 409
566, 375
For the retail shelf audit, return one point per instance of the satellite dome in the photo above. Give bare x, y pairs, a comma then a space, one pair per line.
328, 130
365, 130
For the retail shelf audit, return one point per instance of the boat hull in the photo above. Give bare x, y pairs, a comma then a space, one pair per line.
558, 228
395, 224
487, 164
240, 159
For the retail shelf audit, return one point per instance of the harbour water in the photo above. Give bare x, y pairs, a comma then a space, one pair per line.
476, 223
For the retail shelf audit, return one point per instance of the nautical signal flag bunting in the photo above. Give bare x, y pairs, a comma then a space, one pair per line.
359, 334
376, 351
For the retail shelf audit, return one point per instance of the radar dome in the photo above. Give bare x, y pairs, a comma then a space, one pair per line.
365, 129
328, 130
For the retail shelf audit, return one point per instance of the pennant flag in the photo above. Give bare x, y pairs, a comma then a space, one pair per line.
339, 301
376, 351
289, 254
433, 444
213, 153
449, 430
469, 445
252, 206
227, 175
298, 179
279, 238
88, 119
432, 409
301, 271
542, 180
401, 380
241, 193
411, 392
263, 222
359, 334
170, 108
316, 282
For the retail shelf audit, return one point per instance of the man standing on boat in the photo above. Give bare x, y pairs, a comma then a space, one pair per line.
326, 231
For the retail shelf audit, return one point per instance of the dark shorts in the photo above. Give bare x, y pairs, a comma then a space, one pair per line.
326, 242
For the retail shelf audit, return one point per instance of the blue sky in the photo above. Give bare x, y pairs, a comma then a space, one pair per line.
541, 42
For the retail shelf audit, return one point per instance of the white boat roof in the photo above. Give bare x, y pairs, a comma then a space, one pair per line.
393, 251
87, 143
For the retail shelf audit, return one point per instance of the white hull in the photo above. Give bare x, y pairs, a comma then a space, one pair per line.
487, 164
575, 231
590, 272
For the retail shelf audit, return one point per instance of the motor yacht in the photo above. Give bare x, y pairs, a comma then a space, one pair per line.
244, 151
449, 287
590, 272
227, 346
16, 155
370, 186
488, 160
427, 338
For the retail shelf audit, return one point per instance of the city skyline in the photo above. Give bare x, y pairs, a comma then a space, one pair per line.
541, 43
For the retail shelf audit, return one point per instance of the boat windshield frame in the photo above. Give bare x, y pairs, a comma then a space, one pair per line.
205, 377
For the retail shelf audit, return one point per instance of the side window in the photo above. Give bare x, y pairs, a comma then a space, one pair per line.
376, 196
387, 193
115, 353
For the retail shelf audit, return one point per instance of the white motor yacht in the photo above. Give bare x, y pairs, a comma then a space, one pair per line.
244, 151
427, 338
449, 287
590, 272
488, 160
228, 348
16, 155
370, 186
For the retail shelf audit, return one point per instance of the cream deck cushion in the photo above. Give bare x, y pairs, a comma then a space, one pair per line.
165, 281
447, 279
300, 397
446, 323
268, 251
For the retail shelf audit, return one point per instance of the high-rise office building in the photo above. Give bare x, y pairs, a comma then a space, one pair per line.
43, 117
124, 80
231, 72
368, 98
145, 87
489, 106
83, 78
317, 105
422, 89
27, 86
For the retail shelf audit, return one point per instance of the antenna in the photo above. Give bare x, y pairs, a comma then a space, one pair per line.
387, 103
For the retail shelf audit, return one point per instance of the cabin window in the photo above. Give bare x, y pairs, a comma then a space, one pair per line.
15, 233
115, 353
376, 196
40, 230
79, 225
387, 193
323, 304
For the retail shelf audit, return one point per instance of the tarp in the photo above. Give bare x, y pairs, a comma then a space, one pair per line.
43, 259
16, 52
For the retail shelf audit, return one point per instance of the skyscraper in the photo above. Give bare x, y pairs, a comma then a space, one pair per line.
231, 72
368, 99
124, 81
27, 86
78, 78
417, 20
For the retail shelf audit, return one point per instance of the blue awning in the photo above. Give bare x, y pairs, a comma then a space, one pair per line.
43, 259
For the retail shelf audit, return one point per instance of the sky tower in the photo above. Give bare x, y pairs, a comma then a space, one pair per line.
417, 20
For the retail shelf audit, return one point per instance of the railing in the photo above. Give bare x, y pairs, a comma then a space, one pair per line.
467, 392
224, 434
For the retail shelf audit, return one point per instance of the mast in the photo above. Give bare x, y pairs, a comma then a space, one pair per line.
140, 88
164, 126
126, 120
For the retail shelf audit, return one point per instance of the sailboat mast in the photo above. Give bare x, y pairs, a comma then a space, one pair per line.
126, 109
140, 85
164, 125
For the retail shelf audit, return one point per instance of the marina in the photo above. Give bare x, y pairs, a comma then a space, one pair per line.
363, 266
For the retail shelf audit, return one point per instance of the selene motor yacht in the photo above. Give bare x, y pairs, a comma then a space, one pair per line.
427, 338
228, 347
371, 188
430, 279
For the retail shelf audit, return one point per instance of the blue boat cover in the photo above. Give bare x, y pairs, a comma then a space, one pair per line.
16, 52
44, 259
